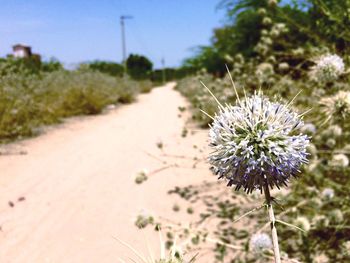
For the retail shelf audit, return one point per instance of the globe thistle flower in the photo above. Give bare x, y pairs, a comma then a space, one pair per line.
346, 246
261, 48
282, 27
228, 58
329, 68
336, 107
312, 150
278, 29
303, 223
328, 193
259, 242
264, 32
320, 221
339, 160
271, 59
316, 202
239, 58
331, 143
255, 144
264, 71
283, 66
308, 128
298, 51
266, 21
336, 216
266, 40
262, 11
272, 3
334, 130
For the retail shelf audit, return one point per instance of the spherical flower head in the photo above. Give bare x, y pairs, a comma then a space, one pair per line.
262, 11
336, 216
259, 242
334, 130
264, 70
328, 193
339, 160
329, 68
272, 3
331, 143
303, 223
256, 144
308, 128
283, 66
336, 107
266, 21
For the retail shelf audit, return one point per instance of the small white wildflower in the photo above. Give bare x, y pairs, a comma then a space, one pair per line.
337, 106
254, 145
264, 70
320, 221
260, 242
228, 58
347, 246
271, 59
261, 48
331, 143
339, 160
308, 128
334, 130
239, 58
316, 202
298, 51
262, 11
281, 27
272, 3
283, 66
264, 32
328, 193
266, 21
266, 40
346, 149
329, 68
312, 150
278, 29
303, 223
336, 216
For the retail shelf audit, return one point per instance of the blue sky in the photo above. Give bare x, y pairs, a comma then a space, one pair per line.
83, 30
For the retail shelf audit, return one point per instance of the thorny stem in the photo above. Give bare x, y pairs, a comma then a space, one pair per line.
276, 249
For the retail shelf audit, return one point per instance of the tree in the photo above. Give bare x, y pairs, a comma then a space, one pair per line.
51, 65
110, 68
138, 66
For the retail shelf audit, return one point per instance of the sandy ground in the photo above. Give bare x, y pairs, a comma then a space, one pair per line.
73, 191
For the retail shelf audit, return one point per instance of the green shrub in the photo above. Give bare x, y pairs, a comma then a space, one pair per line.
28, 101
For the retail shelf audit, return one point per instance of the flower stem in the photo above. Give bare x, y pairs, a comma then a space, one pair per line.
276, 249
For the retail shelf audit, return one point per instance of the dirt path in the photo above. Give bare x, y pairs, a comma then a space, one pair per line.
77, 182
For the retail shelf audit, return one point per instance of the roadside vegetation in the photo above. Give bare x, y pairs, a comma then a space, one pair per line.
292, 51
33, 96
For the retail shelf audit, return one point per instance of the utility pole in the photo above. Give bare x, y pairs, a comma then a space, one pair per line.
163, 70
122, 25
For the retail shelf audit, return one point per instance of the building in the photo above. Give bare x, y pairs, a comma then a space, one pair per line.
22, 51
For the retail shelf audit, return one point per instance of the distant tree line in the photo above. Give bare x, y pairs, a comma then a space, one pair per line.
138, 67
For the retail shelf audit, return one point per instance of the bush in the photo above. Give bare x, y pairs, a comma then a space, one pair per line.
28, 101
